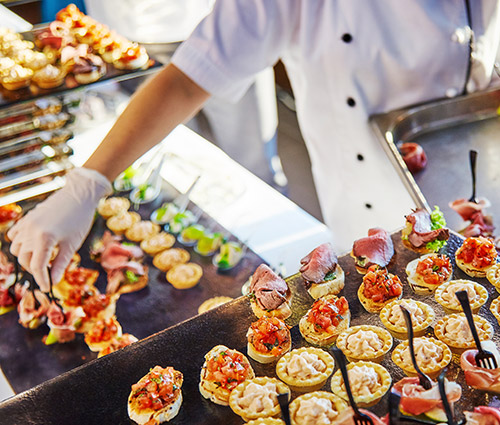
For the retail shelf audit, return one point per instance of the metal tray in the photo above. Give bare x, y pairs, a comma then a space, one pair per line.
97, 392
446, 130
27, 362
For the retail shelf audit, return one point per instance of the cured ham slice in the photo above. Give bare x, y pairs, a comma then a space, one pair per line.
269, 289
480, 224
130, 276
6, 268
483, 415
416, 400
345, 417
62, 324
32, 315
421, 229
413, 156
467, 209
113, 254
478, 377
376, 248
318, 263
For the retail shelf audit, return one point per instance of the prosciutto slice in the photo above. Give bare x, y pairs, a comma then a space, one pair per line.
318, 263
269, 289
480, 224
377, 247
483, 415
478, 377
30, 315
422, 232
116, 276
416, 400
413, 156
115, 255
467, 209
345, 417
6, 268
62, 324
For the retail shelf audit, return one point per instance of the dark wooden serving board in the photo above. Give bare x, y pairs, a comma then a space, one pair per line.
97, 392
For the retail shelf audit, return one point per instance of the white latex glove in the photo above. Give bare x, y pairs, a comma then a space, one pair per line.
63, 220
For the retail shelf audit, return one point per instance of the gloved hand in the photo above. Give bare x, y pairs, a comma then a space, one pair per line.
63, 220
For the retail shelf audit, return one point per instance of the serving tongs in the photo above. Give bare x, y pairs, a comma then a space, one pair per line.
358, 417
424, 380
484, 358
51, 295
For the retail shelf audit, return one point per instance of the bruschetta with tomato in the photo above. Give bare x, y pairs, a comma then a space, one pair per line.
222, 371
102, 333
378, 288
426, 273
325, 320
476, 255
156, 397
268, 339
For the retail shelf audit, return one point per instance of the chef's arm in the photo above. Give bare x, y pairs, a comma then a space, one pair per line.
168, 99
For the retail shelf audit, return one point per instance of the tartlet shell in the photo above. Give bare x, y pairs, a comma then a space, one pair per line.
331, 287
449, 308
383, 334
164, 241
118, 225
338, 403
167, 259
417, 284
371, 306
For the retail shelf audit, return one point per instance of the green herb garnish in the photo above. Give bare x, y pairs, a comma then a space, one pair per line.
330, 276
131, 276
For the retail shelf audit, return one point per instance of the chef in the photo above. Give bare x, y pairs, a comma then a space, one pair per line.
346, 60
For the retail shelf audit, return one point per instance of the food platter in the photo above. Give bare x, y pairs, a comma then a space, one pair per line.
27, 362
97, 391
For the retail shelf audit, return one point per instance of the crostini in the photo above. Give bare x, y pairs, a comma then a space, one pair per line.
425, 233
268, 339
379, 287
476, 255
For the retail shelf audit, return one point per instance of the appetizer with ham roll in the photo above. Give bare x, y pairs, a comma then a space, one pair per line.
221, 372
268, 339
483, 415
129, 277
325, 320
75, 277
425, 233
157, 397
426, 273
9, 297
269, 294
478, 377
377, 248
62, 324
33, 308
476, 255
321, 272
478, 223
8, 215
416, 400
379, 287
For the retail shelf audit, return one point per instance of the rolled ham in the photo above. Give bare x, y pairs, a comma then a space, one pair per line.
318, 263
376, 248
413, 156
31, 315
422, 232
116, 276
478, 377
6, 268
269, 289
416, 400
483, 415
480, 224
62, 324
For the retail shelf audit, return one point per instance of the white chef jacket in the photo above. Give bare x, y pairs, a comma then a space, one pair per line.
346, 60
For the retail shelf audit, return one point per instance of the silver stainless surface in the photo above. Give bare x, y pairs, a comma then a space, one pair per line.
447, 130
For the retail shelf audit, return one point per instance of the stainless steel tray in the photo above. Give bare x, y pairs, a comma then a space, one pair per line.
446, 130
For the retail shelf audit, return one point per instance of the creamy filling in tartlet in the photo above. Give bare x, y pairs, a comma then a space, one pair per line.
258, 398
456, 328
448, 295
305, 365
364, 381
428, 354
315, 411
364, 343
396, 317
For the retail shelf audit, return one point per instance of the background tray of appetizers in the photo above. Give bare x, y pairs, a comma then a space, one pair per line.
97, 392
27, 362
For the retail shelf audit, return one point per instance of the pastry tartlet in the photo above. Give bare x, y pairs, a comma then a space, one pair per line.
422, 316
112, 206
454, 331
493, 276
495, 308
212, 303
257, 398
221, 372
17, 78
426, 273
432, 356
368, 381
167, 259
476, 255
305, 369
185, 275
49, 77
121, 222
318, 407
102, 333
365, 342
445, 295
158, 243
142, 230
325, 320
379, 287
268, 339
266, 421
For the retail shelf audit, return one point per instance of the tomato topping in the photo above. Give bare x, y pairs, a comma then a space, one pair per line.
380, 285
227, 369
79, 276
479, 252
157, 388
326, 314
435, 269
103, 330
269, 335
9, 212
